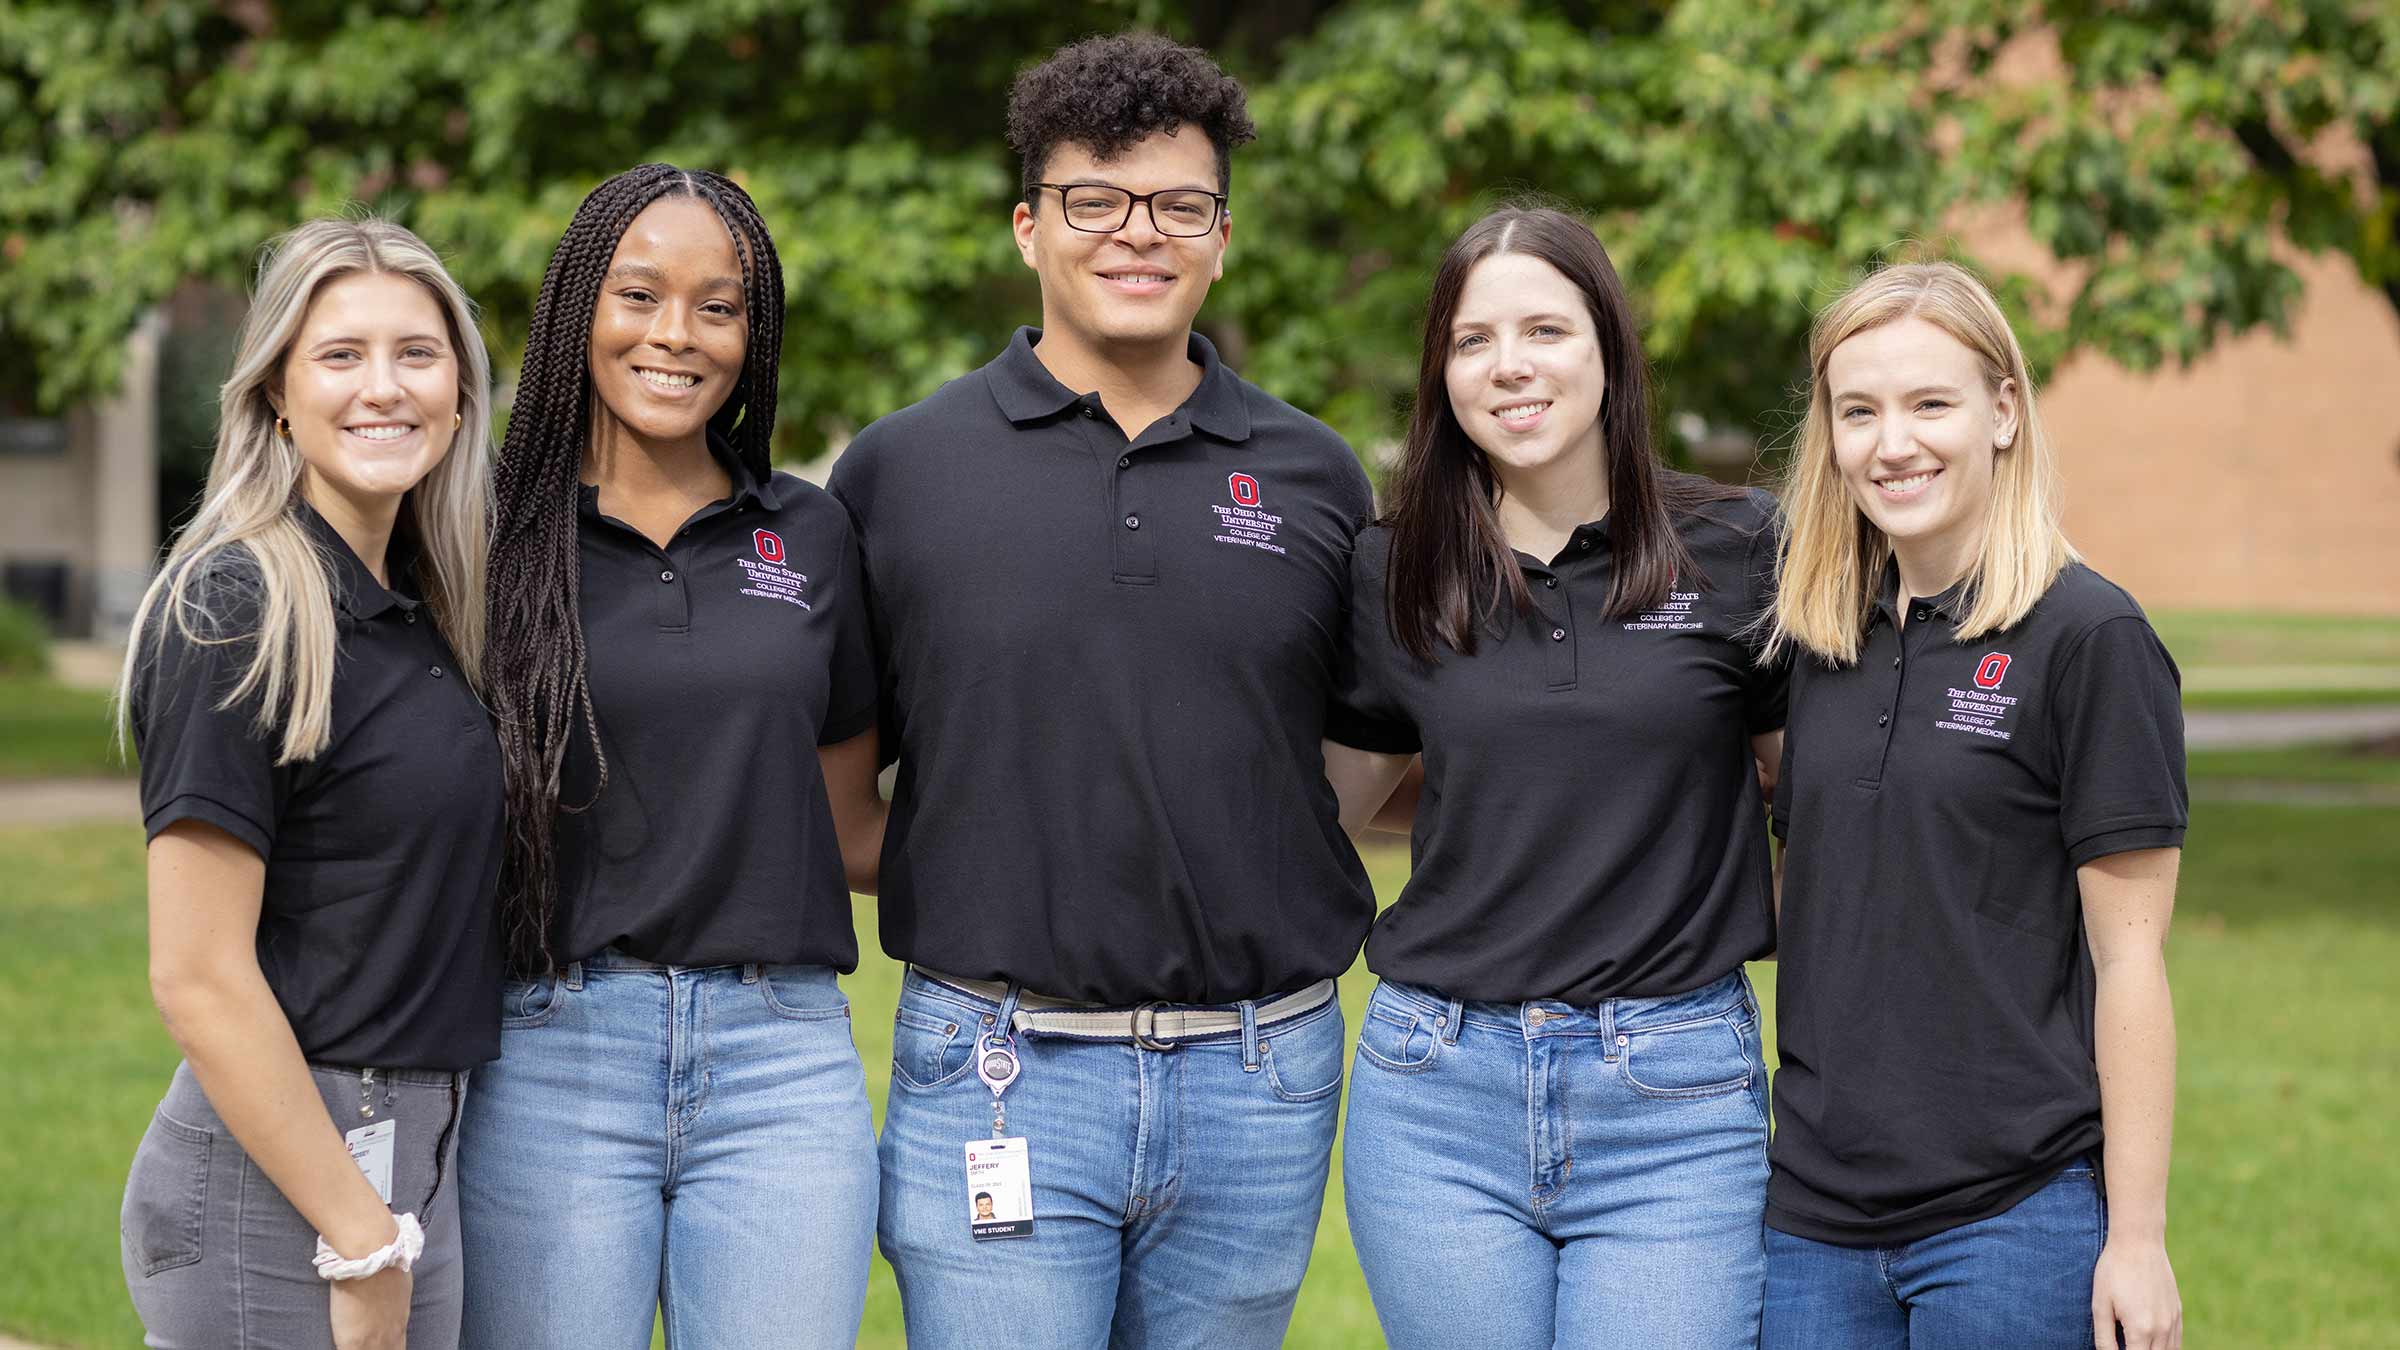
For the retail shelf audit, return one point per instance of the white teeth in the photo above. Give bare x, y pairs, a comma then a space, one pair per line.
381, 433
1908, 484
1521, 412
1135, 276
666, 381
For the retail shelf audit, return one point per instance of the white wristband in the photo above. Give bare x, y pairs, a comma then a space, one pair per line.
401, 1252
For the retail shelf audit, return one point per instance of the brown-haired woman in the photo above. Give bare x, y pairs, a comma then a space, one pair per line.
1557, 1129
678, 1125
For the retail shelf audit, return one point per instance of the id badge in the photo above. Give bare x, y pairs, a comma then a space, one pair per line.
371, 1148
999, 1189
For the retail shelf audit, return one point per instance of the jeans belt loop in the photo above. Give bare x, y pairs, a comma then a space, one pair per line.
1458, 1021
1249, 1009
1609, 1049
1006, 1026
750, 972
572, 976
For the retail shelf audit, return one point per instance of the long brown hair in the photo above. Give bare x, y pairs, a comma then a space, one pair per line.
1451, 570
534, 658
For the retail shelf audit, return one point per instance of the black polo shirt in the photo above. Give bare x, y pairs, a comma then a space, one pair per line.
717, 666
1108, 665
1934, 1003
376, 929
1591, 826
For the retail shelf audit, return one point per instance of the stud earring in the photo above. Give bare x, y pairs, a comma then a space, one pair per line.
457, 420
2003, 442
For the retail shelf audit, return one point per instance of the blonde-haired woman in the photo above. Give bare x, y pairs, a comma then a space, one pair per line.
1983, 806
322, 792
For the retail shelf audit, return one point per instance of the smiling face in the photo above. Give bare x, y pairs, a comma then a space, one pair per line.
670, 330
369, 389
1133, 286
1525, 376
1916, 429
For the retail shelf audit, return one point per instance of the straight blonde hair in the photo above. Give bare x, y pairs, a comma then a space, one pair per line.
251, 503
1833, 558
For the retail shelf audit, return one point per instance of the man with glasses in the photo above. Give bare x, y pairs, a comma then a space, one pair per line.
1108, 579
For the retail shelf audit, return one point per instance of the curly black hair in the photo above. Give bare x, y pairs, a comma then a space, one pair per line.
1109, 93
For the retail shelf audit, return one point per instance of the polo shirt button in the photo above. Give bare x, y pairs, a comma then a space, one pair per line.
408, 616
1124, 461
1895, 663
436, 672
1558, 635
1551, 582
1883, 719
1584, 543
1133, 522
1087, 411
666, 575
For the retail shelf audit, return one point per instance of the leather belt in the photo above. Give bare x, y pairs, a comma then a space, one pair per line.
1152, 1026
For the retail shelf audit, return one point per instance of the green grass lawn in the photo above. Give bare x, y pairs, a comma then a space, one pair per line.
49, 730
2284, 1229
2253, 660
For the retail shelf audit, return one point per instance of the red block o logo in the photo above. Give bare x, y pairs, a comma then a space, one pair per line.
769, 545
1992, 671
1245, 489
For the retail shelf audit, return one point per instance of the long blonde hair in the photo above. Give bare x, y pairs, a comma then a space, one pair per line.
252, 499
1833, 557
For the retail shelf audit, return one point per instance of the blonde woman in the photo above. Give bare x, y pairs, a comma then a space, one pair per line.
322, 793
1983, 804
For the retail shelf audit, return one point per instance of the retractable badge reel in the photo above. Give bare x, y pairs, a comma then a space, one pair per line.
996, 1064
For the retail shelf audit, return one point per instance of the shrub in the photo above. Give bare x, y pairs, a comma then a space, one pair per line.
24, 641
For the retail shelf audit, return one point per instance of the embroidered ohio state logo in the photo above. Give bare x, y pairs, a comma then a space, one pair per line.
769, 545
1245, 489
1993, 669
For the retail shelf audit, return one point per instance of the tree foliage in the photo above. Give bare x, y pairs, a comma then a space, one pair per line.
1742, 161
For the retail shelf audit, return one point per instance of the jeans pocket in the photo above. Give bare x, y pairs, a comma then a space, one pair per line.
1707, 1058
166, 1195
528, 1003
1304, 1063
1395, 1039
802, 993
929, 1050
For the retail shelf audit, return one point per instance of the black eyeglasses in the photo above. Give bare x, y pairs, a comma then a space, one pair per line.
1096, 208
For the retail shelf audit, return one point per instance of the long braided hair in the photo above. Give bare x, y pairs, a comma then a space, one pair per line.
534, 654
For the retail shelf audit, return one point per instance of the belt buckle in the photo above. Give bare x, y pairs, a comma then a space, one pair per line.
1141, 1032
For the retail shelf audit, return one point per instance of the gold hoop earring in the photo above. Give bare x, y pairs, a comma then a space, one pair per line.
283, 428
457, 420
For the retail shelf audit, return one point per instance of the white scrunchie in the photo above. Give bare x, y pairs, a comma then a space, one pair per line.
401, 1251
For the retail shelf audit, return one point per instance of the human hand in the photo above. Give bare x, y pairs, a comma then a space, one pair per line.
372, 1314
2133, 1291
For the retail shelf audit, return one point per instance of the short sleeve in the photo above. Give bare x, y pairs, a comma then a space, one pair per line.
1367, 713
2119, 733
202, 757
1766, 691
854, 689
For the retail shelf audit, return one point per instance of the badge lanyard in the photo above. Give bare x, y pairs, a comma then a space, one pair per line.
999, 1170
996, 1061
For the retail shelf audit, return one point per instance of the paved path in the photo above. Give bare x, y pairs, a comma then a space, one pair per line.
70, 801
2231, 729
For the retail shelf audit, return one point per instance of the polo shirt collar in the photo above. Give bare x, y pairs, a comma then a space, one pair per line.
1027, 391
1947, 604
355, 589
746, 486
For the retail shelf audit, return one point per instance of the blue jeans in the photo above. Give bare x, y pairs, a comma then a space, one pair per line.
696, 1140
2022, 1279
1521, 1176
1176, 1192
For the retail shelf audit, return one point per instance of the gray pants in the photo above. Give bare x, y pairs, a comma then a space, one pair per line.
217, 1259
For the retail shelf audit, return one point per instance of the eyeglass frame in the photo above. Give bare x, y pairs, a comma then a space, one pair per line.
1223, 205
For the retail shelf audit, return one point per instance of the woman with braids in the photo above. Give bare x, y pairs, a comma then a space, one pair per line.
322, 794
679, 661
1558, 1111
